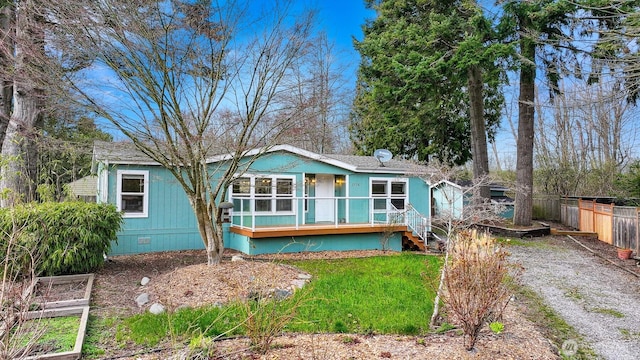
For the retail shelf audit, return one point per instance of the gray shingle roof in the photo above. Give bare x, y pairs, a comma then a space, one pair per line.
370, 163
127, 153
119, 153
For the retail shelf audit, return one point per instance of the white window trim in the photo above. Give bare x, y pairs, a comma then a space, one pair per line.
145, 195
273, 197
388, 196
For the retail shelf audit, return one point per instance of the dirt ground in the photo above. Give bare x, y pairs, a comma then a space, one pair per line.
181, 278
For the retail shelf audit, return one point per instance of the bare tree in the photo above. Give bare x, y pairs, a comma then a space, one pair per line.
18, 334
186, 80
588, 129
320, 92
22, 50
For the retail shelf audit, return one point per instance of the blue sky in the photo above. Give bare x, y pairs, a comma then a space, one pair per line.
342, 20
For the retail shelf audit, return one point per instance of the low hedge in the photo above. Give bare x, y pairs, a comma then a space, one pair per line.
63, 238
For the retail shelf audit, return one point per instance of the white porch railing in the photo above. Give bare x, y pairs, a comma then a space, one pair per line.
345, 210
415, 221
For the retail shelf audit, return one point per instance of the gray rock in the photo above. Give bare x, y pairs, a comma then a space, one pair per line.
237, 258
145, 280
304, 276
142, 299
298, 283
156, 309
281, 294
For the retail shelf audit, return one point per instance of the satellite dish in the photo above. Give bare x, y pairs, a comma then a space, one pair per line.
383, 155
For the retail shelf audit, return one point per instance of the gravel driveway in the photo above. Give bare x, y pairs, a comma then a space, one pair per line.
601, 301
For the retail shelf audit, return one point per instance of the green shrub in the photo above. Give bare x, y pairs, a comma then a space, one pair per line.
64, 238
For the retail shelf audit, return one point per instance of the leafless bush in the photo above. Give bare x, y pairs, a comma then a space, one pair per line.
266, 314
476, 282
18, 333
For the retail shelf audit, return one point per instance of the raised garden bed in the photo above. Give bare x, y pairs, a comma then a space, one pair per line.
52, 292
61, 296
81, 312
536, 230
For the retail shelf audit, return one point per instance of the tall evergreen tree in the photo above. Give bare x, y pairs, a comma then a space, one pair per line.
537, 27
420, 61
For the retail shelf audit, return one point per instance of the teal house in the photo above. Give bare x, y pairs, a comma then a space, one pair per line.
287, 200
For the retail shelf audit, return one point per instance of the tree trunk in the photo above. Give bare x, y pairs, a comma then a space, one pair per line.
18, 148
523, 211
478, 133
6, 83
210, 233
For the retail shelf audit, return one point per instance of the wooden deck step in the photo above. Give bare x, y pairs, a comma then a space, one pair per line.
412, 241
555, 231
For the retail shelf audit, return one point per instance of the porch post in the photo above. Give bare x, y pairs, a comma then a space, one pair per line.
347, 200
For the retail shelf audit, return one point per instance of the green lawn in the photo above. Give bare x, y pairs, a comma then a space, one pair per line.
385, 295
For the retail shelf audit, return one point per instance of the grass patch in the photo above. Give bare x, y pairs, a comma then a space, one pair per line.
386, 295
53, 335
629, 335
149, 329
574, 293
553, 327
610, 312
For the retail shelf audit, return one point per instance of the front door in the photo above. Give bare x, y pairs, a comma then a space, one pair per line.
325, 208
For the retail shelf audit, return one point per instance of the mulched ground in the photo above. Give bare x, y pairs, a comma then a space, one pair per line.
118, 284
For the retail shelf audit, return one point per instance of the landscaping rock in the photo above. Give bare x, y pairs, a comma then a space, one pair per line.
298, 283
281, 294
145, 280
156, 309
237, 258
304, 276
142, 299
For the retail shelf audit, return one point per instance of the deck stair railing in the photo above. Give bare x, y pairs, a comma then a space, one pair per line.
412, 218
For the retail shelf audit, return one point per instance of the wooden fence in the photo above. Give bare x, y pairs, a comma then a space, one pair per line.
616, 225
547, 208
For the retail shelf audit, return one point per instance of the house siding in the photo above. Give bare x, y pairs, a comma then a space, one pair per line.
314, 243
447, 201
171, 224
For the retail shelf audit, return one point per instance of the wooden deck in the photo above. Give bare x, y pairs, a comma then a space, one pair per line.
316, 229
409, 240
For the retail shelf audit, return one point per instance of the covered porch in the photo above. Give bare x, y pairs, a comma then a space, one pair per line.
349, 216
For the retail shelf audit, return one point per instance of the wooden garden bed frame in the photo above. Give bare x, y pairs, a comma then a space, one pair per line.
67, 307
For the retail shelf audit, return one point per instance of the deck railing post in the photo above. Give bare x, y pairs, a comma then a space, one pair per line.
335, 211
295, 213
253, 213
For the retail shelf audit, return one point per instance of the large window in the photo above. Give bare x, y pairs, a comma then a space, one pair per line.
387, 192
268, 194
241, 193
133, 192
379, 193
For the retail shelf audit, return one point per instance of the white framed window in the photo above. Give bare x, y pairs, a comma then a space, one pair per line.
132, 193
389, 191
263, 194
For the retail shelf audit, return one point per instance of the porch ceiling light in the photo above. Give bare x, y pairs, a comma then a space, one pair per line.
225, 205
